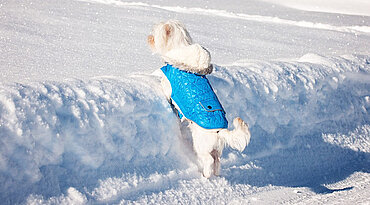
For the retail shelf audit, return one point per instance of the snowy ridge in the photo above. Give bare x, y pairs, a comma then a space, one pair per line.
283, 88
116, 140
241, 16
81, 125
357, 7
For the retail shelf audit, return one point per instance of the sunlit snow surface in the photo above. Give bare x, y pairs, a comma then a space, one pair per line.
83, 119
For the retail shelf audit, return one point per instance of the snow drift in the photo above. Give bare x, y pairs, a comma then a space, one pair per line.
78, 131
111, 140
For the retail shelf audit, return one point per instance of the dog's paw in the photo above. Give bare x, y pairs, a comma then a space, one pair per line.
207, 173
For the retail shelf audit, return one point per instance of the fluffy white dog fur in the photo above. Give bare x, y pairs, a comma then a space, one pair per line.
173, 43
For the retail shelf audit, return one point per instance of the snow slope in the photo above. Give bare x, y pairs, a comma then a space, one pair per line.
356, 7
56, 40
83, 119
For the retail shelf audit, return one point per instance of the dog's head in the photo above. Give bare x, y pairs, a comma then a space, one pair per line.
173, 43
167, 36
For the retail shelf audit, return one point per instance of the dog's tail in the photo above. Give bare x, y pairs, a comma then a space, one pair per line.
239, 137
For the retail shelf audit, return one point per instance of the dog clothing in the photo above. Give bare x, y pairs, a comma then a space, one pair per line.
195, 97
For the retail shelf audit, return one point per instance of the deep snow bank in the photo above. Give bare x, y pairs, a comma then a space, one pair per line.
295, 109
55, 135
106, 137
306, 95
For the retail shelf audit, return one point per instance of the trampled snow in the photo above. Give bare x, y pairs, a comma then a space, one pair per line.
83, 119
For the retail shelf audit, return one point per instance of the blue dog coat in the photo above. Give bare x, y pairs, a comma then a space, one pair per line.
195, 97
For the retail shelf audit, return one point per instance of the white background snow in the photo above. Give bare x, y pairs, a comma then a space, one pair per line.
83, 119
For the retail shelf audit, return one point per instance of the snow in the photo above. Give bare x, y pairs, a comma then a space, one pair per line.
356, 7
83, 119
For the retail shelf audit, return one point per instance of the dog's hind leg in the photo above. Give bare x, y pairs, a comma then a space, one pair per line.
216, 163
204, 142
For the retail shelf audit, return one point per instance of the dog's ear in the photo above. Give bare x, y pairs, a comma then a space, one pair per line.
150, 41
168, 29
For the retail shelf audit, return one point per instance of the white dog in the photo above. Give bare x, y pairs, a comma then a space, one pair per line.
188, 90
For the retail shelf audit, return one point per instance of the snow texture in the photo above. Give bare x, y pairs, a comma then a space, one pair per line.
81, 131
356, 7
83, 119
